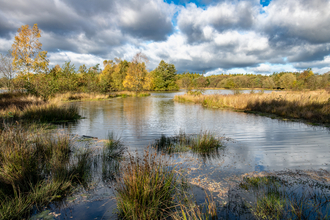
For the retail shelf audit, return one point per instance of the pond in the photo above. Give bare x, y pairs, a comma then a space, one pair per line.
254, 143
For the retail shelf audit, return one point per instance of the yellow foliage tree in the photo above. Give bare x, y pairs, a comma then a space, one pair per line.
137, 77
26, 51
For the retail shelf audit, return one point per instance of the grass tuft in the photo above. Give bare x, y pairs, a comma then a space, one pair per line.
205, 144
146, 188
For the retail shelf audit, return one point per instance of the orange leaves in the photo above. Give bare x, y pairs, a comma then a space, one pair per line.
137, 77
26, 51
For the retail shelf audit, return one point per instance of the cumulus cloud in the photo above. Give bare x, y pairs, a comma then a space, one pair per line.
75, 58
298, 20
212, 36
262, 68
223, 16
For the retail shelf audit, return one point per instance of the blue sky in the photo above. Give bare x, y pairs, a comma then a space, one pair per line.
219, 36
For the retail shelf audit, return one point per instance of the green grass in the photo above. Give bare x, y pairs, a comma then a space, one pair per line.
146, 188
37, 167
173, 144
205, 144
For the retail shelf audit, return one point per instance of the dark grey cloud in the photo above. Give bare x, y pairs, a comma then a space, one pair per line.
88, 26
145, 19
220, 34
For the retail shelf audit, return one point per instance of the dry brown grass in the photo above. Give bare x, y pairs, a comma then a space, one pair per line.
312, 105
80, 96
17, 106
67, 97
18, 100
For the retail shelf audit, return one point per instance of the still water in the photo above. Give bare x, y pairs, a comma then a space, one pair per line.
255, 143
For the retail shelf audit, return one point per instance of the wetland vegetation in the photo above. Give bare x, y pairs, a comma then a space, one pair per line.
313, 106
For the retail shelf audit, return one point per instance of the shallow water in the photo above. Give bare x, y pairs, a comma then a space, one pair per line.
256, 143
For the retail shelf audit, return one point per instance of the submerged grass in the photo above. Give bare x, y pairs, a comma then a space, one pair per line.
146, 188
188, 209
311, 105
37, 167
278, 198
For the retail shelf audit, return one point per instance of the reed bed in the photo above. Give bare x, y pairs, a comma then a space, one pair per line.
18, 100
312, 105
18, 106
69, 97
36, 168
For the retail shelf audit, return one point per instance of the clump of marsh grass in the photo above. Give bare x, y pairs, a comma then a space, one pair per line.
205, 144
114, 147
37, 167
173, 144
113, 152
51, 113
188, 209
146, 187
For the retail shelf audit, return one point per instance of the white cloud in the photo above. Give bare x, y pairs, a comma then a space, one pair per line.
75, 58
262, 68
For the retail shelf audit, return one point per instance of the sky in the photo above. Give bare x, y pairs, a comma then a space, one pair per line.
211, 36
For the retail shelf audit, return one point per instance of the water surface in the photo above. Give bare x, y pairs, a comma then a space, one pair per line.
256, 143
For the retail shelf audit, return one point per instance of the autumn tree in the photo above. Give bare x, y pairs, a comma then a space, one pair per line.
287, 80
119, 74
137, 77
105, 77
26, 51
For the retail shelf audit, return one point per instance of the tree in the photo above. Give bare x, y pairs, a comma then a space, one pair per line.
7, 70
137, 77
268, 83
119, 74
164, 77
26, 51
287, 80
186, 83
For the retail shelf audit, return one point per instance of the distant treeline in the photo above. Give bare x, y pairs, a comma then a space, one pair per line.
283, 80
